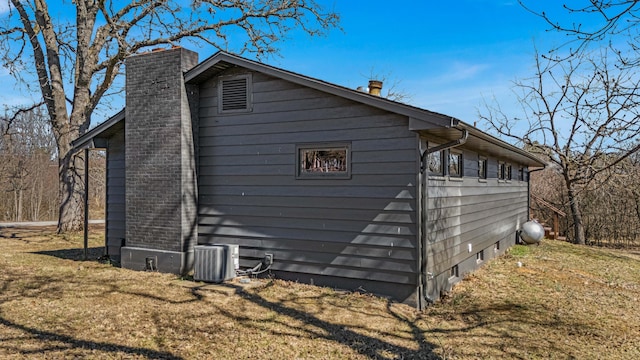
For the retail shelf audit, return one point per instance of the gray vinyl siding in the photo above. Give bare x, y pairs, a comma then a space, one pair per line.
339, 232
474, 212
115, 209
232, 178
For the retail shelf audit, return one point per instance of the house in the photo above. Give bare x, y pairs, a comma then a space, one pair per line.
344, 188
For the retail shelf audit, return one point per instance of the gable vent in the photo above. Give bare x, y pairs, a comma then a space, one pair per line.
234, 94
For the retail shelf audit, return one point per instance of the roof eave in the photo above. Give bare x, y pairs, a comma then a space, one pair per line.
534, 161
87, 140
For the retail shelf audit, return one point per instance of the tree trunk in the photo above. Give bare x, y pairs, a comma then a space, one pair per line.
70, 172
15, 216
19, 209
578, 225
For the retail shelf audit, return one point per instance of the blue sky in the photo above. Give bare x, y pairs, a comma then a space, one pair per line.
446, 55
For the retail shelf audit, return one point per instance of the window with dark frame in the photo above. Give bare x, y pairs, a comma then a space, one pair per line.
508, 170
480, 256
501, 170
521, 173
455, 164
323, 161
434, 163
482, 168
453, 272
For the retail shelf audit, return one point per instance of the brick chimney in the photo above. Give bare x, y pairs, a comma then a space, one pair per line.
161, 189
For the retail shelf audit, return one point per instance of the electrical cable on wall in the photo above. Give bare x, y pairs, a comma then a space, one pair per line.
256, 270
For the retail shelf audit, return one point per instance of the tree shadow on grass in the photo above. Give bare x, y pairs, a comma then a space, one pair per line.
369, 346
64, 343
24, 340
372, 347
93, 253
8, 235
347, 335
26, 235
508, 327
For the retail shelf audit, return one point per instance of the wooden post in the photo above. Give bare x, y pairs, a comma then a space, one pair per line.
86, 203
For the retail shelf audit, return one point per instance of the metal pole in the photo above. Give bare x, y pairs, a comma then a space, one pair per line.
86, 203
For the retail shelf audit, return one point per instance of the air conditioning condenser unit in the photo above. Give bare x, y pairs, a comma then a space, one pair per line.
215, 263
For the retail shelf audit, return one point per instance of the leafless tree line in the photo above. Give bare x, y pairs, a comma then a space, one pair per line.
610, 211
582, 115
29, 170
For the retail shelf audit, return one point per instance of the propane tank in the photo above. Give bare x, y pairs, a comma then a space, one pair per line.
531, 232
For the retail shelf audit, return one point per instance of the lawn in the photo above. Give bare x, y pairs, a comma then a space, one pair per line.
555, 300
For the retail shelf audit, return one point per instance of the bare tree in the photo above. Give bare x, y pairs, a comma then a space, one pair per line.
26, 152
76, 60
583, 113
593, 24
97, 184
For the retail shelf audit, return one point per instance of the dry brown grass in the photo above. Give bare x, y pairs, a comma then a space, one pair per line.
564, 302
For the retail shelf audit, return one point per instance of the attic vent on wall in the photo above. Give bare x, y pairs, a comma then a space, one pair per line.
235, 94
